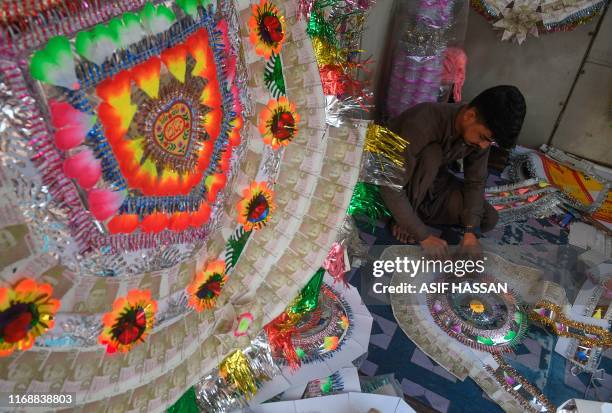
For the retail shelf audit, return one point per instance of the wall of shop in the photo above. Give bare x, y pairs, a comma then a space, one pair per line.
586, 124
544, 68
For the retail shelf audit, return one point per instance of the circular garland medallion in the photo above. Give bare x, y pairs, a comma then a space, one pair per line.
323, 331
490, 322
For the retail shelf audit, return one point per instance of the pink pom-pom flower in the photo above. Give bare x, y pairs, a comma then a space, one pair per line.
71, 124
84, 168
104, 203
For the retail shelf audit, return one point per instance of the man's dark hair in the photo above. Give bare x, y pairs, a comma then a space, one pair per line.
502, 110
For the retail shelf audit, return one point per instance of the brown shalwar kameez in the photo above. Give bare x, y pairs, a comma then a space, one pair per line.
431, 194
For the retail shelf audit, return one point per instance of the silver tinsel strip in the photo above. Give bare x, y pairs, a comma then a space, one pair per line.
76, 332
510, 187
176, 306
233, 25
214, 394
500, 200
260, 357
271, 163
378, 170
338, 111
543, 207
348, 236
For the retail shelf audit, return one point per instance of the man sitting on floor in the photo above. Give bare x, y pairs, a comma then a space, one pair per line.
439, 134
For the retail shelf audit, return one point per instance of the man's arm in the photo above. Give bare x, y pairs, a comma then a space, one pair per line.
475, 177
403, 213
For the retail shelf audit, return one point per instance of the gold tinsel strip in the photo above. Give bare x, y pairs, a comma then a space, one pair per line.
604, 337
235, 369
327, 54
531, 389
382, 141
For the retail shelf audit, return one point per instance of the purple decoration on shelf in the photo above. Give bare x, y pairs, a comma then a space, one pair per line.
416, 68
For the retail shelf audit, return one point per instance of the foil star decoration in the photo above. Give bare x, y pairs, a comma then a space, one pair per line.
519, 21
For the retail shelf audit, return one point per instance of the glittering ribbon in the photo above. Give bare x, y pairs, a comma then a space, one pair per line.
309, 296
326, 53
383, 141
333, 40
366, 200
334, 263
235, 369
318, 27
280, 336
551, 315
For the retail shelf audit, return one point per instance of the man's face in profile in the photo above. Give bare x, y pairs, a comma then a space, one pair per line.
475, 133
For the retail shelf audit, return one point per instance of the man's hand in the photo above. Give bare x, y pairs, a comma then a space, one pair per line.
470, 246
401, 234
435, 247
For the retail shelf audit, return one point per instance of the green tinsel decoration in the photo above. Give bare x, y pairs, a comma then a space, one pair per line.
309, 296
367, 201
273, 76
319, 27
235, 245
186, 404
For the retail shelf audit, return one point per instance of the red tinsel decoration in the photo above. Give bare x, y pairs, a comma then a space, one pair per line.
280, 332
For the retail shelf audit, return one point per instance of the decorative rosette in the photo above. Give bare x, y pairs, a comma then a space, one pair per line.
207, 286
144, 140
489, 322
278, 122
267, 29
129, 322
26, 312
518, 19
164, 144
256, 206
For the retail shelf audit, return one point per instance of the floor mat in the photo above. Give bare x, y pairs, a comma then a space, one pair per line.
390, 351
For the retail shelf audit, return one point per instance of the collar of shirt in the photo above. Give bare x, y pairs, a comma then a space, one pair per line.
457, 148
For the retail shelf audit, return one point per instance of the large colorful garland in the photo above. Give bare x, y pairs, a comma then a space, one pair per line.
143, 137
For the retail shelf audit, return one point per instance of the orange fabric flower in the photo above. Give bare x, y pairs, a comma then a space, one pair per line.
26, 312
129, 322
255, 208
267, 29
207, 285
278, 122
